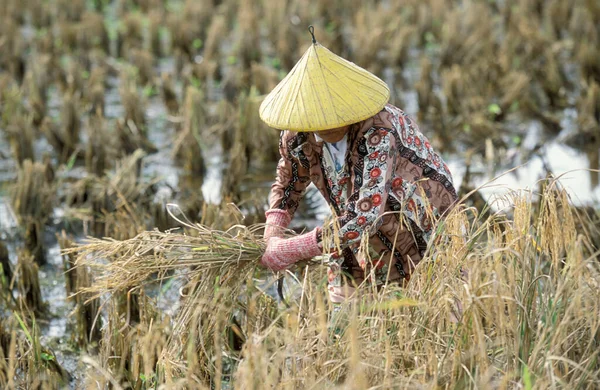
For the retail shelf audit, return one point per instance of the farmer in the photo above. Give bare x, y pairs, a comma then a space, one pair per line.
377, 171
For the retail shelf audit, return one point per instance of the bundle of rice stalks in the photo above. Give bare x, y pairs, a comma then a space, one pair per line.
93, 94
587, 56
13, 47
11, 98
198, 14
274, 13
367, 39
225, 125
187, 148
20, 136
130, 138
70, 125
288, 46
220, 217
7, 362
215, 265
247, 42
467, 35
133, 103
129, 349
67, 34
218, 268
263, 141
551, 76
33, 200
92, 33
87, 320
131, 33
237, 170
158, 208
7, 85
126, 221
212, 328
168, 94
188, 30
30, 364
69, 77
124, 185
69, 10
207, 71
99, 152
41, 16
156, 21
204, 254
399, 43
264, 78
68, 263
514, 86
584, 32
55, 137
143, 61
13, 10
37, 81
6, 273
45, 43
15, 122
115, 203
588, 116
28, 285
214, 37
429, 102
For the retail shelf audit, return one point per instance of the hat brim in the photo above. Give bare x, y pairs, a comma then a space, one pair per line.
323, 91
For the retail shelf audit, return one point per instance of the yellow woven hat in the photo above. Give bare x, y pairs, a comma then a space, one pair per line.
323, 91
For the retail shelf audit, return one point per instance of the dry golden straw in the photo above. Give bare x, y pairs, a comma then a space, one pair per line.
201, 251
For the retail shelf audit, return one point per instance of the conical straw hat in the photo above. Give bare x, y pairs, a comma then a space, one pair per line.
323, 91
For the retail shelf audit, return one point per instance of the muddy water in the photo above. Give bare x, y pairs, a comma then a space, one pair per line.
523, 169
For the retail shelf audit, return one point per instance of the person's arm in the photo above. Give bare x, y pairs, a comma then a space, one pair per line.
286, 192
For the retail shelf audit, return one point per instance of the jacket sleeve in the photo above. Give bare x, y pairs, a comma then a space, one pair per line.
291, 180
377, 153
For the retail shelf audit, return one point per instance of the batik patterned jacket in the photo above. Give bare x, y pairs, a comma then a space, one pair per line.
393, 188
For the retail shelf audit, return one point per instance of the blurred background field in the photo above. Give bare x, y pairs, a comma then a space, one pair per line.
110, 110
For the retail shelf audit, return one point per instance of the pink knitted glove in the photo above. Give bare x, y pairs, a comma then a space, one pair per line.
283, 252
277, 221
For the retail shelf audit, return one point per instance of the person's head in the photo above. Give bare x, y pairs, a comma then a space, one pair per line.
333, 135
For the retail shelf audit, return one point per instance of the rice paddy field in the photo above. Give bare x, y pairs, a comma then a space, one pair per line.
134, 174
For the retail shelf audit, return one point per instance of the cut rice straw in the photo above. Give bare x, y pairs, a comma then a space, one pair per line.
197, 252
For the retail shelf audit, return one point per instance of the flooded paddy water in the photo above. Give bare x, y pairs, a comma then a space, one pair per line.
111, 110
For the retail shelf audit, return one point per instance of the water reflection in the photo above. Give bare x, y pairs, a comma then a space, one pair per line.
577, 172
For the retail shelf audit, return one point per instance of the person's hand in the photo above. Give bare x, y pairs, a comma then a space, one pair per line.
277, 222
283, 252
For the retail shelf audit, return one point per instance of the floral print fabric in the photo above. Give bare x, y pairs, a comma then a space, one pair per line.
392, 190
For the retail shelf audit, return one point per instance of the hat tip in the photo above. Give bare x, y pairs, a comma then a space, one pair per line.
311, 30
